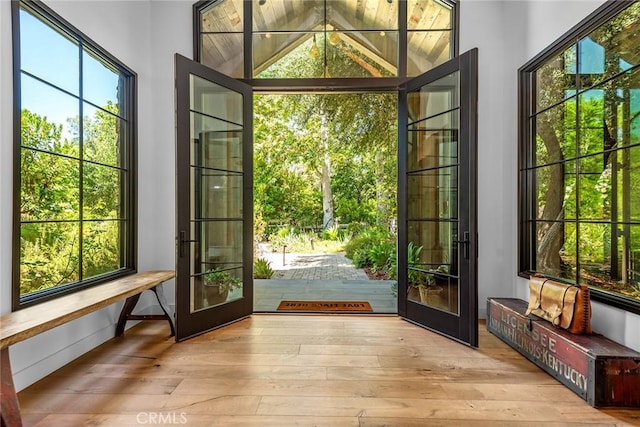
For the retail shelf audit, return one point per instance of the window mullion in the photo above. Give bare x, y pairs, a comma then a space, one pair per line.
81, 162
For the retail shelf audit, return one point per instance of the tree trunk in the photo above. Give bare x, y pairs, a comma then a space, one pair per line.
381, 193
325, 180
550, 235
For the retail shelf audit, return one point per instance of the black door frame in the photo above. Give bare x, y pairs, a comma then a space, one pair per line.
191, 324
463, 328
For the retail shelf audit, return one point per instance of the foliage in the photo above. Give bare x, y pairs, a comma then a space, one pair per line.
299, 138
332, 233
51, 244
360, 258
413, 260
262, 269
380, 255
589, 170
372, 247
305, 242
223, 279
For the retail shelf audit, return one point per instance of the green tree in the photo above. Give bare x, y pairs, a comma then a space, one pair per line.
50, 200
342, 145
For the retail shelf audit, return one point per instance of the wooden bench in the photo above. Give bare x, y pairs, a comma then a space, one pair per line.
601, 371
23, 324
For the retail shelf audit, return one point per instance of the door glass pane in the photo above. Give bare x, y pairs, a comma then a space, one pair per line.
216, 211
217, 265
433, 142
218, 193
433, 194
434, 98
433, 264
215, 101
216, 144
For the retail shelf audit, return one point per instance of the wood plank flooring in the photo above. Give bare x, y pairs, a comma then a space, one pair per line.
297, 370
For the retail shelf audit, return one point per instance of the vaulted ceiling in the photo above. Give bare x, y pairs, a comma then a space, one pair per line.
368, 27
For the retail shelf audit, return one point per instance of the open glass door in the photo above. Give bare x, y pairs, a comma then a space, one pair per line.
437, 237
214, 283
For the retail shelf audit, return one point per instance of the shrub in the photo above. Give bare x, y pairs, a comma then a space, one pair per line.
413, 257
355, 228
283, 237
373, 245
262, 269
223, 279
331, 233
380, 255
361, 258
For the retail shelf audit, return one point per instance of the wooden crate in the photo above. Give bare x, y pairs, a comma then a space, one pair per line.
601, 371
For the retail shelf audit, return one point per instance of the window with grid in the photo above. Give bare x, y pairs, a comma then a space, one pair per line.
74, 153
580, 157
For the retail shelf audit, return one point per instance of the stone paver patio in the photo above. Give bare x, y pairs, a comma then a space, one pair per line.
333, 266
319, 277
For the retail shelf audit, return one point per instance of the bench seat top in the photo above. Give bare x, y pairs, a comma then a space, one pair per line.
28, 322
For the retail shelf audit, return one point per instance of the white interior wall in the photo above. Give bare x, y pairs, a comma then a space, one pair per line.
145, 35
171, 32
6, 156
123, 29
484, 24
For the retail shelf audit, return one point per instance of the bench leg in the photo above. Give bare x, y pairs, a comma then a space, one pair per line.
9, 407
128, 307
130, 304
164, 306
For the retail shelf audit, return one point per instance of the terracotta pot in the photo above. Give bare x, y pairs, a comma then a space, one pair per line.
213, 295
430, 294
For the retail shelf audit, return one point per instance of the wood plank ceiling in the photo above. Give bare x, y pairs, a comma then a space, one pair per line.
368, 26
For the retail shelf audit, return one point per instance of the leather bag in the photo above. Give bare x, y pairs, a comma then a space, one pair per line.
565, 306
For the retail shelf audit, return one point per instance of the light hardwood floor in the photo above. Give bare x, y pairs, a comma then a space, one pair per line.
286, 370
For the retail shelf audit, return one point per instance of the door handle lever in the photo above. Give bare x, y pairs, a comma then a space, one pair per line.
465, 244
183, 240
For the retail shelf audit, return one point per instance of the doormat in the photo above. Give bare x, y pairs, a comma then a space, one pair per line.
341, 306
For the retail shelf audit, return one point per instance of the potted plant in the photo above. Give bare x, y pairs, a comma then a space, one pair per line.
425, 282
217, 284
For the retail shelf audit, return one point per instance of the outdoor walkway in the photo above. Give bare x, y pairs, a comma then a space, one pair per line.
334, 266
320, 277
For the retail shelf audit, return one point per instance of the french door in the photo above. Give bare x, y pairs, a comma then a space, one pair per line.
437, 232
214, 283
